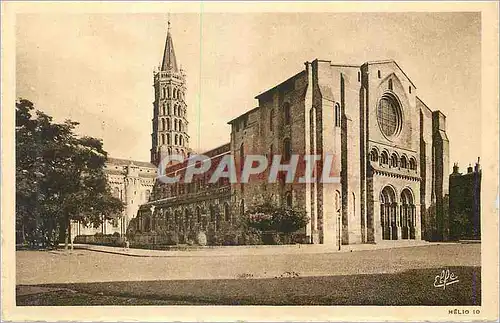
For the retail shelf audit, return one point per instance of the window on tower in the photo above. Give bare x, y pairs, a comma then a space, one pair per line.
337, 115
286, 112
287, 149
271, 118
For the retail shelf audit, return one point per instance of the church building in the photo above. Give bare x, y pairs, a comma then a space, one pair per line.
390, 148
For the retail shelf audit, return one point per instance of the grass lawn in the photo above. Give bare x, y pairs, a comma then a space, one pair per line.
409, 287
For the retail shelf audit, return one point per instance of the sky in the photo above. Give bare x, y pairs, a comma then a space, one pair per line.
97, 69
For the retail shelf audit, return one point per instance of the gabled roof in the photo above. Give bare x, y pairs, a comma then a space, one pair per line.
391, 61
169, 63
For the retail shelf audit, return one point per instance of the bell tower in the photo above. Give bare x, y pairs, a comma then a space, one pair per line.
170, 124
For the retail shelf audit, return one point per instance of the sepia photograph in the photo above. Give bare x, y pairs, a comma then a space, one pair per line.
203, 158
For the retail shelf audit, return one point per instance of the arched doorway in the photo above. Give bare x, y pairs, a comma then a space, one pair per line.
388, 211
407, 215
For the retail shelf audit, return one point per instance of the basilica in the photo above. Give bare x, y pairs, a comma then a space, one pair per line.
391, 156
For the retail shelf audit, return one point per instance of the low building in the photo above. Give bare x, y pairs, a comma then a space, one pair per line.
132, 182
465, 203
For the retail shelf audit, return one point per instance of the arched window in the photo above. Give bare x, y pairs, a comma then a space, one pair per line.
163, 93
227, 213
413, 164
353, 205
289, 199
394, 160
271, 120
287, 149
168, 108
271, 152
175, 110
175, 124
374, 155
169, 91
176, 139
242, 156
162, 139
338, 205
164, 109
379, 74
174, 93
384, 158
168, 123
390, 85
168, 140
337, 115
286, 113
180, 140
242, 207
404, 162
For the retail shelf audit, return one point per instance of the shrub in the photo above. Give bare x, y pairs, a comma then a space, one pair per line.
268, 217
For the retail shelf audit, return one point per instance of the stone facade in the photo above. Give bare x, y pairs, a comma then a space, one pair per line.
388, 178
389, 150
132, 182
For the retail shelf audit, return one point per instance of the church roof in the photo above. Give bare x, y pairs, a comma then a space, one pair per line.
169, 62
126, 162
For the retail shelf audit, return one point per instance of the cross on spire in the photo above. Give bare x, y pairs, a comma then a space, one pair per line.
169, 63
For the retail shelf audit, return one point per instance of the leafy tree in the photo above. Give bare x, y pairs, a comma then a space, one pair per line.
270, 217
59, 177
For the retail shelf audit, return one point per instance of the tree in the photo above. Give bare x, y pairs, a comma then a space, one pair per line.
59, 177
270, 217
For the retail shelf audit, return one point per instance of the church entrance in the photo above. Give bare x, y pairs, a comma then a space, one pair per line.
388, 214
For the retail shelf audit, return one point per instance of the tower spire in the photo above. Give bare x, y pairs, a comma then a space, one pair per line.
169, 63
